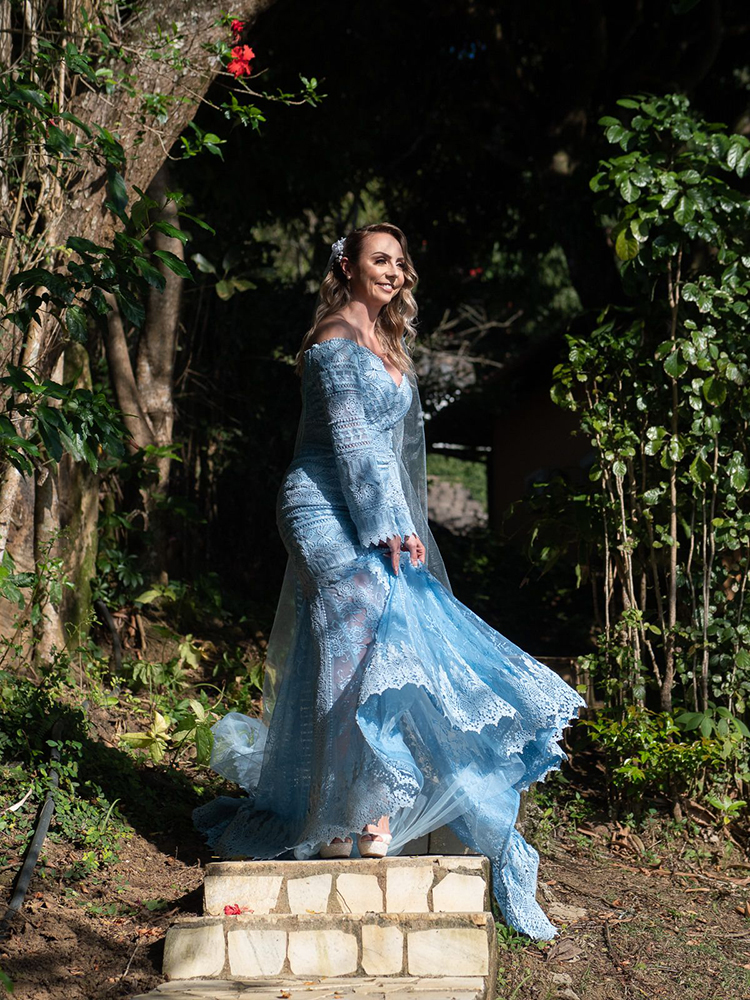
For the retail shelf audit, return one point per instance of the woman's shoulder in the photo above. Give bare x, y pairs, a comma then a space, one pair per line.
333, 328
334, 339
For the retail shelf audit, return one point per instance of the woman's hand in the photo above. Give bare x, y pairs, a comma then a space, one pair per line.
410, 544
415, 547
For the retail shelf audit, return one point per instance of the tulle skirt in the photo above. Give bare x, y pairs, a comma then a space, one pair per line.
397, 700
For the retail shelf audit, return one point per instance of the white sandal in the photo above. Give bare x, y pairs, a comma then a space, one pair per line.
342, 849
370, 847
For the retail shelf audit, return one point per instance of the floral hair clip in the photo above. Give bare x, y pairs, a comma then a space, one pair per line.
338, 248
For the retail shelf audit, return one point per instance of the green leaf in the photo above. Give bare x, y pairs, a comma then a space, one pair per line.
685, 210
224, 289
58, 141
738, 478
204, 742
54, 283
628, 190
198, 710
174, 263
675, 365
595, 182
663, 349
117, 191
68, 116
81, 245
626, 245
151, 274
169, 230
76, 325
202, 263
735, 154
198, 222
130, 307
243, 284
714, 391
676, 448
689, 720
25, 95
700, 470
743, 165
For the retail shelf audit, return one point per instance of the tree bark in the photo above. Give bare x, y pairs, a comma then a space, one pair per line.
82, 212
145, 394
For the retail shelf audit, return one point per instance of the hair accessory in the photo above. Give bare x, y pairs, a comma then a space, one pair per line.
338, 248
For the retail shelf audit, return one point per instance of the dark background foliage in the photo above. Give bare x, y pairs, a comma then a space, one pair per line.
475, 129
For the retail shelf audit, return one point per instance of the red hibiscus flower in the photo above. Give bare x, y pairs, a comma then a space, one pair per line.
237, 27
240, 63
234, 910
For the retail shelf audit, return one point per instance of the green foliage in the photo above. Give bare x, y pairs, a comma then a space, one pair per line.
84, 816
82, 422
655, 753
46, 152
661, 390
191, 728
227, 284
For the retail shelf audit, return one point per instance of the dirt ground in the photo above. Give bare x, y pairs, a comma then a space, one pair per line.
648, 914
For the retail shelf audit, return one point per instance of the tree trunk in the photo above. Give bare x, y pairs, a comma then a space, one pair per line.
145, 395
82, 213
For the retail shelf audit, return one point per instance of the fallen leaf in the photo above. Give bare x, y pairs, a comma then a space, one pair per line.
564, 951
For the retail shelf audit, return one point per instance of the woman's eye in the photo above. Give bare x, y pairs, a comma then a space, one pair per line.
383, 262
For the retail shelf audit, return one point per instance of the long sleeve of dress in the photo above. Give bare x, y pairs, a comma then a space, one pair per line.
365, 460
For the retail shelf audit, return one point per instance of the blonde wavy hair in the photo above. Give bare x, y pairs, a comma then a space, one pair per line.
395, 326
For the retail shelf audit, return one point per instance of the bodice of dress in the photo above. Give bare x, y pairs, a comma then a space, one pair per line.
351, 405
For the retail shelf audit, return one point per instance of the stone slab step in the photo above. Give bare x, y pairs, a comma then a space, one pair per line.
311, 946
422, 884
364, 988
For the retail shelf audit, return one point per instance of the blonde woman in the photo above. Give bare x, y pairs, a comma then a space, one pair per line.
390, 708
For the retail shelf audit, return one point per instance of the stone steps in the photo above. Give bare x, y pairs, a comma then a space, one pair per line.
364, 988
418, 925
388, 885
305, 946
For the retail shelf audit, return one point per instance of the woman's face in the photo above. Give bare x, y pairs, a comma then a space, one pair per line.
379, 274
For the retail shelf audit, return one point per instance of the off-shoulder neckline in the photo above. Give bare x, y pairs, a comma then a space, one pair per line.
331, 340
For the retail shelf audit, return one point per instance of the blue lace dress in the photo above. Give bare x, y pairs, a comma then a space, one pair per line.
394, 699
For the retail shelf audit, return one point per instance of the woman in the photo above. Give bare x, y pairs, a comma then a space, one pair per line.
390, 708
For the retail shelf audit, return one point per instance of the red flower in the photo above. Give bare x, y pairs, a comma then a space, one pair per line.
237, 27
475, 271
243, 55
234, 910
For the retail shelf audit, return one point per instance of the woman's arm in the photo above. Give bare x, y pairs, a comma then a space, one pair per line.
368, 472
